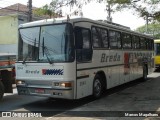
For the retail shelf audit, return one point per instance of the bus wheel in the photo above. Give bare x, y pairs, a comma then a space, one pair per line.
1, 90
144, 73
97, 87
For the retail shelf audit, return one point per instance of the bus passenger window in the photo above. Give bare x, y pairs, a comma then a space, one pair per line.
99, 37
149, 44
157, 48
104, 34
143, 43
115, 39
96, 36
135, 42
126, 41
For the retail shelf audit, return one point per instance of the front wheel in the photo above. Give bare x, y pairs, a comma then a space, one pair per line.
97, 87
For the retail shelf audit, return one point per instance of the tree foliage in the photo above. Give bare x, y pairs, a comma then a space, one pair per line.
143, 8
47, 10
152, 29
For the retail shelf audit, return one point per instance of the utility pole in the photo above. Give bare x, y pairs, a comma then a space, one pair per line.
108, 8
30, 10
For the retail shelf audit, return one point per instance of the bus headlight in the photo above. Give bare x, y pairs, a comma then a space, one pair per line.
66, 84
20, 82
63, 84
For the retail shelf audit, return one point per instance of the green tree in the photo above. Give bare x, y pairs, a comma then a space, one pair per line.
144, 8
48, 10
152, 29
147, 9
43, 11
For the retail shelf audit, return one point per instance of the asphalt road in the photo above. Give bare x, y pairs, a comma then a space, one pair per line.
127, 102
19, 103
133, 96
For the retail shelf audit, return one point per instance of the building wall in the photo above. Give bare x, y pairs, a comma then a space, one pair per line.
8, 29
9, 32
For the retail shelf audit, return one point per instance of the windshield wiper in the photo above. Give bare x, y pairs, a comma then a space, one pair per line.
46, 52
24, 60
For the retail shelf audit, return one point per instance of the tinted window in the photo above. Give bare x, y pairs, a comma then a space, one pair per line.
86, 39
104, 34
149, 44
143, 43
135, 42
83, 44
157, 48
115, 39
100, 37
96, 36
126, 41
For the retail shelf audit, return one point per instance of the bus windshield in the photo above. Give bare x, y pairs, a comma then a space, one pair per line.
157, 48
50, 43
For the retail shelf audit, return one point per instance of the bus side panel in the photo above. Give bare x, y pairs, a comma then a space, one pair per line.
84, 83
114, 62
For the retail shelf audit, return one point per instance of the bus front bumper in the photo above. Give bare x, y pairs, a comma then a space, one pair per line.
46, 92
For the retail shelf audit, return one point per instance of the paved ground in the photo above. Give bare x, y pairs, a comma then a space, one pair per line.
142, 97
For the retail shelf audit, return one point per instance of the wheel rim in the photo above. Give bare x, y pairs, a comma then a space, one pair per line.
97, 87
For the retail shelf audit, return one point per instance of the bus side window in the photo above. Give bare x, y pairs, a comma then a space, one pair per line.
83, 44
96, 36
115, 39
135, 42
100, 37
105, 40
150, 44
143, 43
126, 41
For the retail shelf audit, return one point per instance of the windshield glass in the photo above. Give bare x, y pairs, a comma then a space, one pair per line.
50, 43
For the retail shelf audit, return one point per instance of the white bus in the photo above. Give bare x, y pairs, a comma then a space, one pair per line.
75, 58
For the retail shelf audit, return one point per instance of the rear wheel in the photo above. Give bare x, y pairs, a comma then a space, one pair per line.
1, 90
144, 73
97, 87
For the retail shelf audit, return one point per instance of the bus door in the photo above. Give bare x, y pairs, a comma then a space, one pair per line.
83, 58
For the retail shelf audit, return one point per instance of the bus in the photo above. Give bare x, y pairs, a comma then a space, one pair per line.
157, 53
78, 57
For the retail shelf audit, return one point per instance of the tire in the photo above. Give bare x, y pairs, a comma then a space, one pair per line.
7, 80
144, 78
97, 87
1, 90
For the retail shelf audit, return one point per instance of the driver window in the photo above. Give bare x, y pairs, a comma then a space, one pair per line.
83, 44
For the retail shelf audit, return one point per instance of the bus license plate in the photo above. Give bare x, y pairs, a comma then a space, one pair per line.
41, 91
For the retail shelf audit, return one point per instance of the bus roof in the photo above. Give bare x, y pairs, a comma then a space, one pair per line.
81, 19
